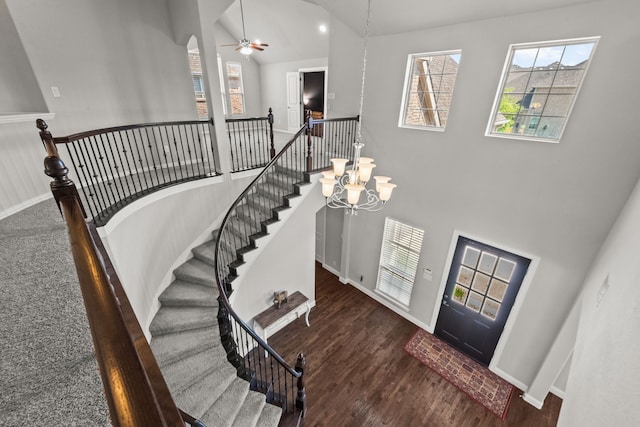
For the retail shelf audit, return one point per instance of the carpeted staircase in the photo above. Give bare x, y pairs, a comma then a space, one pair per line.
185, 336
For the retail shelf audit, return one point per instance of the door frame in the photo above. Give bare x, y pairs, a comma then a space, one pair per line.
515, 309
326, 82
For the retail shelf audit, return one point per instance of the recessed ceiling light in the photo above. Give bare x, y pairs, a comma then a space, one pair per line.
322, 28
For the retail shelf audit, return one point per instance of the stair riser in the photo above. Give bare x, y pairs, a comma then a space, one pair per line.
184, 327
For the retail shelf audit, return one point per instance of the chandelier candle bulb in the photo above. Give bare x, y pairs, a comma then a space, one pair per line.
385, 190
327, 186
353, 193
365, 171
339, 166
380, 180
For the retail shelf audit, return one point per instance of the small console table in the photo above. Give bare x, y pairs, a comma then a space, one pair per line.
273, 319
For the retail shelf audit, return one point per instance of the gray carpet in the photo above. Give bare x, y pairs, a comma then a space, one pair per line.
48, 373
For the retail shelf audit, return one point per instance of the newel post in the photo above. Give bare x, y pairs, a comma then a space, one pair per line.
61, 186
301, 397
273, 148
309, 122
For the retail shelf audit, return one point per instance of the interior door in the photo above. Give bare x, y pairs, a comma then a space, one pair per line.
481, 288
293, 101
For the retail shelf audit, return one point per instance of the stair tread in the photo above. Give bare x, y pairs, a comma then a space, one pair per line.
206, 252
196, 399
172, 347
175, 319
185, 372
270, 416
250, 410
196, 271
181, 293
224, 410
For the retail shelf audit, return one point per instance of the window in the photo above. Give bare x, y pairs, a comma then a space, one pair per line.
236, 92
401, 246
428, 89
198, 85
196, 76
539, 86
222, 90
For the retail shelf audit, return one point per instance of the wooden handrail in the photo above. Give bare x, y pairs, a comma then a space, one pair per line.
77, 136
135, 390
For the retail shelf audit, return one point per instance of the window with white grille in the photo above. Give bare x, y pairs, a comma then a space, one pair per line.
401, 245
236, 90
539, 87
428, 89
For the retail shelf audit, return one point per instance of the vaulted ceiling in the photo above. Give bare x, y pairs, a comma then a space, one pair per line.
291, 26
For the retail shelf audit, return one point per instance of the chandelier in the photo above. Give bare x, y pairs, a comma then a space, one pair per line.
344, 188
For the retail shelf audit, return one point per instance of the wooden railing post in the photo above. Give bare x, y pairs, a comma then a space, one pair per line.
61, 186
301, 397
309, 122
273, 148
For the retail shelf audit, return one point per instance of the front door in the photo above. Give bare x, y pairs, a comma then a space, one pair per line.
481, 287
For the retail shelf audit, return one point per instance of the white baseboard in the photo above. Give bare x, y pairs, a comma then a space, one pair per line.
24, 205
511, 380
558, 392
331, 270
532, 401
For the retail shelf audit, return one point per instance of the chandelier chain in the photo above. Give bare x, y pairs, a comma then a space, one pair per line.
364, 69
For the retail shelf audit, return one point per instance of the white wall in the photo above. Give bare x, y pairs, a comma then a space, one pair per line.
554, 201
21, 159
273, 80
18, 85
605, 373
345, 71
114, 62
286, 262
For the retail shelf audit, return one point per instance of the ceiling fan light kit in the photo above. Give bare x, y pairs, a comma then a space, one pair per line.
245, 46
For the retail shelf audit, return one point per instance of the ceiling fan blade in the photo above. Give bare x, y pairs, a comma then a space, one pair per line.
235, 44
257, 48
238, 48
260, 44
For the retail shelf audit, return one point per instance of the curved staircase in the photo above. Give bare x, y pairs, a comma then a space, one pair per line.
187, 345
185, 336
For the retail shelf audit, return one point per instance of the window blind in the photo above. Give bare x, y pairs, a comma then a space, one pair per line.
401, 245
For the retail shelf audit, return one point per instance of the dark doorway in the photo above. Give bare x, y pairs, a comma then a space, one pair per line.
313, 94
481, 288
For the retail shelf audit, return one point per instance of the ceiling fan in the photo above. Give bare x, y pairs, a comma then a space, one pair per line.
245, 46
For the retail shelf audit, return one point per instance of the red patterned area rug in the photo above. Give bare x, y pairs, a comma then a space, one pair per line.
472, 378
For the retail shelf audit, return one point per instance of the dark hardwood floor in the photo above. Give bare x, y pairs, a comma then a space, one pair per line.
357, 373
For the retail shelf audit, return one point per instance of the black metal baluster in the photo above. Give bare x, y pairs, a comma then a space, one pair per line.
103, 180
124, 176
81, 175
112, 170
152, 167
128, 173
